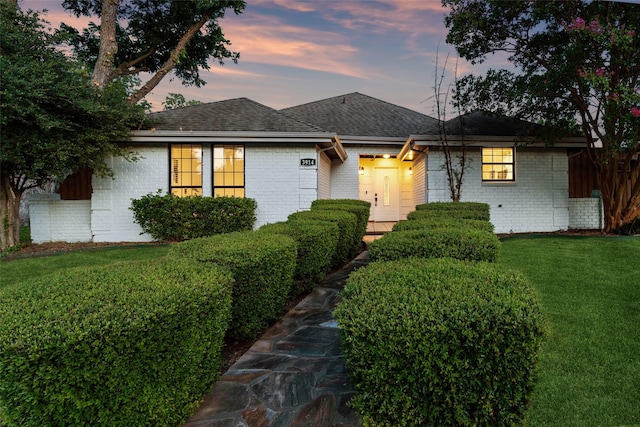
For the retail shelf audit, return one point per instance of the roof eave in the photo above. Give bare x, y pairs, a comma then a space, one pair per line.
487, 141
163, 136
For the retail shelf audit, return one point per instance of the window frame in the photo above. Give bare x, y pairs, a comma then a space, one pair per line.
214, 187
512, 164
172, 187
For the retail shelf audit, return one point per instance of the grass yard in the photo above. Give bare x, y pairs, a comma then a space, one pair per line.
18, 270
590, 292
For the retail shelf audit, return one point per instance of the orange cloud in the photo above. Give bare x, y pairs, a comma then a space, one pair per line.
269, 40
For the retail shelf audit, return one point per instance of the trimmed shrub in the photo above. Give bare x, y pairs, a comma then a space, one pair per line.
347, 227
262, 265
418, 224
316, 242
440, 342
450, 214
128, 344
462, 244
174, 219
357, 202
358, 209
447, 206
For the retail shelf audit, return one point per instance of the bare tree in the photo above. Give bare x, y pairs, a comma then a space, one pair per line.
456, 160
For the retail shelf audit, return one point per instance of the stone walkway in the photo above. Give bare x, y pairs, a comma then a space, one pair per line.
294, 375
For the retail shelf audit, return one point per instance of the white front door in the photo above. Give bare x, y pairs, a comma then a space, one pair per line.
386, 206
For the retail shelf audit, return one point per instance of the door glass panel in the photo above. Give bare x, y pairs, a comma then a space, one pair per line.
386, 191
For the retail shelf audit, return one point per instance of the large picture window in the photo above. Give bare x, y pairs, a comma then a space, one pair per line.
498, 164
186, 170
228, 170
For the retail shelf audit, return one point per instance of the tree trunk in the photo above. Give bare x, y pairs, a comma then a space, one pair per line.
102, 72
620, 189
9, 213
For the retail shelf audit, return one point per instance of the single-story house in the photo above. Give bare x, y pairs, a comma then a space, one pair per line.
350, 146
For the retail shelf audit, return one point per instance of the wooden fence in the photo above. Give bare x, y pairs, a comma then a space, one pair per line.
582, 175
77, 186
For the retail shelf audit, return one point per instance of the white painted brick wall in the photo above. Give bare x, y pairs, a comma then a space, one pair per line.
55, 220
324, 177
536, 202
585, 214
111, 218
275, 179
419, 180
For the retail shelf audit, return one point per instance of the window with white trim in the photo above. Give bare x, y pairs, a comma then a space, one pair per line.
186, 170
498, 164
228, 170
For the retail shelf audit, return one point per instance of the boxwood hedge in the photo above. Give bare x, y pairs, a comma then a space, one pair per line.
452, 214
417, 224
357, 202
171, 218
128, 344
316, 243
447, 206
360, 210
262, 265
440, 342
460, 243
347, 227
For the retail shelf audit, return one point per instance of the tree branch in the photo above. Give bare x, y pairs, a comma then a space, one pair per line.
171, 63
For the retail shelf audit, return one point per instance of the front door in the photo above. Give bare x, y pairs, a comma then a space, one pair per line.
386, 205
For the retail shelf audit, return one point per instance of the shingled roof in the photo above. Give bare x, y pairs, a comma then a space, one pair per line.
356, 114
482, 123
232, 115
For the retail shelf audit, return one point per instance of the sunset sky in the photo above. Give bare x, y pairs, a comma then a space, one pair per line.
293, 52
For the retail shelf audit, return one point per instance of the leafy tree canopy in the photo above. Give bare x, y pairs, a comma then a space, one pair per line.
578, 68
177, 100
151, 36
52, 120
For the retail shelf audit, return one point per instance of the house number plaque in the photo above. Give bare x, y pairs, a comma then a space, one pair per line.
307, 162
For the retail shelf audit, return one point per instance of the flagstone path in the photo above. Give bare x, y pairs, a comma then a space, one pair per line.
294, 375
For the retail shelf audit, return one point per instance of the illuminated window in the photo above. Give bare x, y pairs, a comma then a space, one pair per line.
186, 170
498, 164
228, 170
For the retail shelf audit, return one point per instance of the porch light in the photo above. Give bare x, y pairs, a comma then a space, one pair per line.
361, 170
386, 156
410, 171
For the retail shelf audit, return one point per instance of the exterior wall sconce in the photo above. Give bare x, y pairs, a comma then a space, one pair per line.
361, 170
410, 171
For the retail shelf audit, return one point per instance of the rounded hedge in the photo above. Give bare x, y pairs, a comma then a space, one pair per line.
357, 202
418, 224
447, 206
262, 265
347, 227
460, 243
360, 211
172, 218
440, 342
451, 214
316, 245
127, 344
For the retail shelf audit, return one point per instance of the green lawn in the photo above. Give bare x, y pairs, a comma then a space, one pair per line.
17, 270
590, 292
